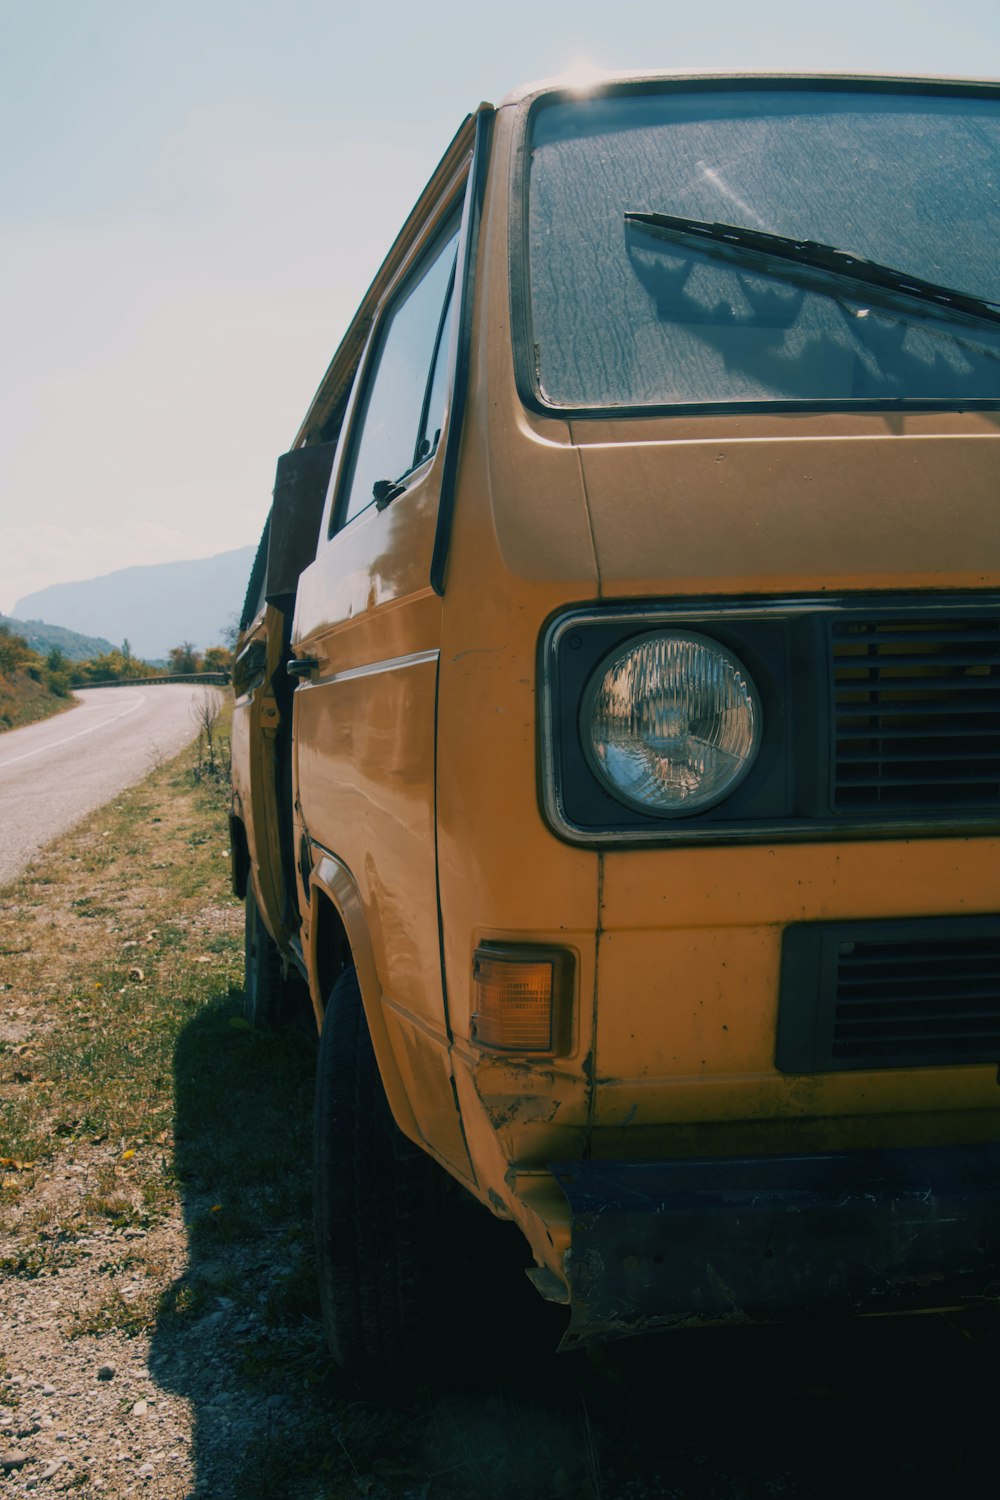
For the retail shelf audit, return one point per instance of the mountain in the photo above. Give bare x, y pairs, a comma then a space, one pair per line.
41, 638
153, 607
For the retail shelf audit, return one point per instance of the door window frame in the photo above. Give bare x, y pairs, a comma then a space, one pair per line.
440, 225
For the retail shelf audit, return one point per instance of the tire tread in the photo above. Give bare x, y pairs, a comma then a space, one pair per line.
372, 1189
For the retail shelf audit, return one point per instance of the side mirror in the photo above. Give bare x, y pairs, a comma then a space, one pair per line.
300, 486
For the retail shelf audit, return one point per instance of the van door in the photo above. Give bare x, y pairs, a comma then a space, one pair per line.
256, 718
365, 718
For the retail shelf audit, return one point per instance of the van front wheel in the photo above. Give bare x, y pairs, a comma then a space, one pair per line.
372, 1192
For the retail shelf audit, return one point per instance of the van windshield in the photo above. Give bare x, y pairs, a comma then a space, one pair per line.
624, 316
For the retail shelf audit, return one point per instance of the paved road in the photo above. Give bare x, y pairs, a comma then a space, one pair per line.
53, 773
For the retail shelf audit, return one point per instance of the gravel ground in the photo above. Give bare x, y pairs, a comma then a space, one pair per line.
164, 1411
87, 1412
126, 1367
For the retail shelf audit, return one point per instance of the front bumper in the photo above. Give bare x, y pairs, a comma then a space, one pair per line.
743, 1239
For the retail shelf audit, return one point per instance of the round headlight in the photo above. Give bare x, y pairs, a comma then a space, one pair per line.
671, 723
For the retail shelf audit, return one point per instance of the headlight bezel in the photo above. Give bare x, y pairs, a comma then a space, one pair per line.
698, 804
574, 803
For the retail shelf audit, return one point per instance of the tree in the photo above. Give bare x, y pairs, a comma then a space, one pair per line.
110, 666
15, 653
217, 659
230, 632
184, 658
57, 672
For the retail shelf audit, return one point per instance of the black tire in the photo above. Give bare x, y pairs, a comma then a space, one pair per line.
374, 1201
271, 999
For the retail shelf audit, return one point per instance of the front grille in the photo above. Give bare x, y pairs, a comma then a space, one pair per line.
890, 994
915, 714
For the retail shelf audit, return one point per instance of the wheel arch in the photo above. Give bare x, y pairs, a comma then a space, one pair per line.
338, 934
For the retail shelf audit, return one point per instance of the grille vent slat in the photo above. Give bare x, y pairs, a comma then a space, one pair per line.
929, 659
943, 705
898, 687
931, 779
931, 731
920, 958
855, 685
863, 757
922, 1025
910, 995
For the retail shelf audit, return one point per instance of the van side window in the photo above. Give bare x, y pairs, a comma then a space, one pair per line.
399, 421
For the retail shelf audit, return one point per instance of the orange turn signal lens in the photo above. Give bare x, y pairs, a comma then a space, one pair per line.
521, 998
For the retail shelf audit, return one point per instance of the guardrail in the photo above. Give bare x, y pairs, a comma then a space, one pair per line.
209, 679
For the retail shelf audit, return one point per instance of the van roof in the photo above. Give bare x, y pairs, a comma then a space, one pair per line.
586, 81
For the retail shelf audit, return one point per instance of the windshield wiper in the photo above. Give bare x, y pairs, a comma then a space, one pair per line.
757, 250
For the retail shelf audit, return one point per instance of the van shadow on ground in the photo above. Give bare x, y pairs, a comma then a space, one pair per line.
880, 1407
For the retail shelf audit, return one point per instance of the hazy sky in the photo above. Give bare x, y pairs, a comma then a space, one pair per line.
194, 197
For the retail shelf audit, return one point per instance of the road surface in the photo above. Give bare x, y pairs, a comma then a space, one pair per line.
53, 773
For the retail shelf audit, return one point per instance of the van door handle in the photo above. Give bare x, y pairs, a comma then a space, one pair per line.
301, 666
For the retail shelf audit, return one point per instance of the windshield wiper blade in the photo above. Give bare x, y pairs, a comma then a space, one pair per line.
757, 249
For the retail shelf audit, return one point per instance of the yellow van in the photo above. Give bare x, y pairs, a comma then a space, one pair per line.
617, 748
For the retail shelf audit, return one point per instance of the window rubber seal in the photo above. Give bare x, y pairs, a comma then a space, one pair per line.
472, 219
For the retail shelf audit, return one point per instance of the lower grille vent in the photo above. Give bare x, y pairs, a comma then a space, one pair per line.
890, 994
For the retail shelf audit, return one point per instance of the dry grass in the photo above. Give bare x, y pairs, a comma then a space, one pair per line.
124, 1056
94, 995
